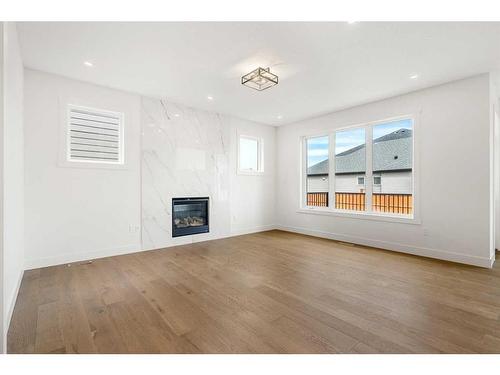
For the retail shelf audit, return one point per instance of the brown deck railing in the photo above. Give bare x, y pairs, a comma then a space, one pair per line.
317, 199
350, 201
391, 203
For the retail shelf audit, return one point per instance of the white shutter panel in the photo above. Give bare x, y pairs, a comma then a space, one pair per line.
95, 135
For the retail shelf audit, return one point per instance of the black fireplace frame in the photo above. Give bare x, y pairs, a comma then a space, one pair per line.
179, 232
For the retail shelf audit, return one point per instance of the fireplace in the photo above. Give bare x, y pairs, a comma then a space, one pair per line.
189, 216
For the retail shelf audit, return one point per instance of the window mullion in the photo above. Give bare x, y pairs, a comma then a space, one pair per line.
260, 156
303, 195
331, 171
368, 168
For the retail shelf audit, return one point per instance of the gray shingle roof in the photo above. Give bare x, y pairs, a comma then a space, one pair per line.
318, 168
392, 151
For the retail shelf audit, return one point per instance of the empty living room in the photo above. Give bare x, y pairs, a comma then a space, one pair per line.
200, 185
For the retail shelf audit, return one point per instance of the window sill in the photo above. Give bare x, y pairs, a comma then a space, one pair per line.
91, 165
406, 219
250, 173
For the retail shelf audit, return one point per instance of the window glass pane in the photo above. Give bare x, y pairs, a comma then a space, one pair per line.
317, 184
392, 167
350, 169
249, 154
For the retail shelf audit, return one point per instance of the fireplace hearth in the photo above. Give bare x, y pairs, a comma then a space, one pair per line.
189, 216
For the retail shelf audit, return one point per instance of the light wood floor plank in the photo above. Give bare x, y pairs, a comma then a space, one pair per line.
268, 292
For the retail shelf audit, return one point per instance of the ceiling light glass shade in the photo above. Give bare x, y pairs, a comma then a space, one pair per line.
259, 79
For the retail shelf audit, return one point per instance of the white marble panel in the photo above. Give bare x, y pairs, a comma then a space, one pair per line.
185, 152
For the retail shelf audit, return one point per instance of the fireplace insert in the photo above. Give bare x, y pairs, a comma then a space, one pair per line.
189, 216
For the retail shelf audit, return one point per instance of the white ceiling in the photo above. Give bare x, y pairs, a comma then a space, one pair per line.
322, 67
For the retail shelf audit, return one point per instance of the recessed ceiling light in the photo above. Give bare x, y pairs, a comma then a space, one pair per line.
176, 115
279, 117
88, 63
210, 97
414, 76
351, 22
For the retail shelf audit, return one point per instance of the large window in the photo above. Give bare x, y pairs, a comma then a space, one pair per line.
372, 170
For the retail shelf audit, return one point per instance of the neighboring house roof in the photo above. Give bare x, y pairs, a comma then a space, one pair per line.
391, 152
320, 168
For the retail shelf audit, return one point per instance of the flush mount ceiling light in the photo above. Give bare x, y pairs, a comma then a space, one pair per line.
259, 79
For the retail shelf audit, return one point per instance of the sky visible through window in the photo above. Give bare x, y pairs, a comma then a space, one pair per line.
347, 139
317, 148
383, 129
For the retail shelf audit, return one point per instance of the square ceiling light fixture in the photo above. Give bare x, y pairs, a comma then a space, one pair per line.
259, 79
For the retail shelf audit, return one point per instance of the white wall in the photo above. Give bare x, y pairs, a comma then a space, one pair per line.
495, 155
452, 132
2, 303
496, 174
13, 171
77, 213
252, 196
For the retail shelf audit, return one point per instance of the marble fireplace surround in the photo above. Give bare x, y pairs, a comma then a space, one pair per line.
188, 152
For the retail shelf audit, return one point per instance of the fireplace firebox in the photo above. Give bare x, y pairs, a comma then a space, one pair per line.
189, 216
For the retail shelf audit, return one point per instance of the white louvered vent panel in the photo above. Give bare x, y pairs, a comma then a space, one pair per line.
95, 135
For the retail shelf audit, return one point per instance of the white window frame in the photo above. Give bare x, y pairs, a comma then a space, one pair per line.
380, 183
368, 214
358, 177
67, 161
260, 156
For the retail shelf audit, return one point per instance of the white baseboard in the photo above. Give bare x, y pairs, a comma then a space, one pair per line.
263, 228
10, 311
79, 257
421, 251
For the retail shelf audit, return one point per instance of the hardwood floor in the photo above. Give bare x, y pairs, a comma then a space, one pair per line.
270, 292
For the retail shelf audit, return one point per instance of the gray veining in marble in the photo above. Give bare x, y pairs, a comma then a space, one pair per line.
185, 152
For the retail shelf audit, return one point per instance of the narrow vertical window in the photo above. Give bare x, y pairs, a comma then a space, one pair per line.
250, 155
317, 181
392, 149
350, 169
